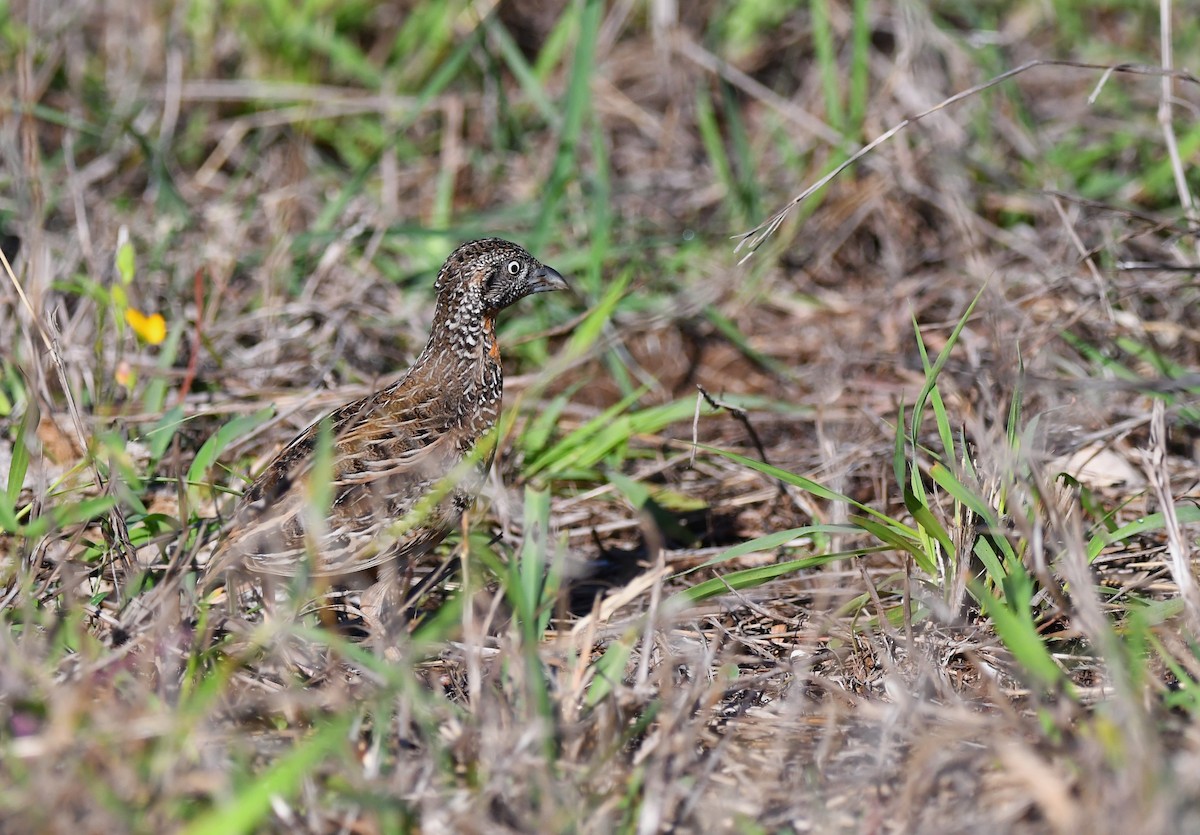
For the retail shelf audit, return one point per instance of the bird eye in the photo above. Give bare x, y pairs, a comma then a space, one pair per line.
514, 267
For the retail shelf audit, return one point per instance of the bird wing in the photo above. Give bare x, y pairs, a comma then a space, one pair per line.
395, 487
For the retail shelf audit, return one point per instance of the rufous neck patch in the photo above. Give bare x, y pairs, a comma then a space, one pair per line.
489, 333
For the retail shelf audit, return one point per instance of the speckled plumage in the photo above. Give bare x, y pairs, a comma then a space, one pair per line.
406, 460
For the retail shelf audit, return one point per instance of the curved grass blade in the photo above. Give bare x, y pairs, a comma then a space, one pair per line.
1187, 513
752, 577
810, 486
249, 809
222, 438
1012, 619
772, 541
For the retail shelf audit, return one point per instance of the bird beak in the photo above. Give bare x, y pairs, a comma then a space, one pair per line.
545, 280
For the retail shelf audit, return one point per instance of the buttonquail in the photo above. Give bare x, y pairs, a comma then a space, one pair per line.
407, 460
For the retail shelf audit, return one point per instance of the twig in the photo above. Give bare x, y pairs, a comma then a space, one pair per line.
754, 238
1166, 118
1086, 257
739, 415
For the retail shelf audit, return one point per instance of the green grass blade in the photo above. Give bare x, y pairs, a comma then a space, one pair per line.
771, 541
578, 104
949, 482
155, 396
530, 84
860, 78
823, 42
942, 421
557, 452
8, 517
809, 486
924, 517
441, 78
82, 511
592, 442
19, 465
532, 565
1014, 624
610, 669
319, 493
557, 43
899, 458
993, 564
753, 577
1187, 514
714, 146
746, 191
159, 436
215, 445
643, 500
1098, 358
248, 811
600, 233
906, 543
541, 425
588, 332
932, 373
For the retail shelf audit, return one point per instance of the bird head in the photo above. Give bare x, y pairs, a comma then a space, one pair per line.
496, 272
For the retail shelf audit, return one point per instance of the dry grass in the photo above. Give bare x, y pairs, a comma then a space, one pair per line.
288, 186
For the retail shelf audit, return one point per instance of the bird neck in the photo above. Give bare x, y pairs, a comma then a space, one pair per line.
461, 365
463, 335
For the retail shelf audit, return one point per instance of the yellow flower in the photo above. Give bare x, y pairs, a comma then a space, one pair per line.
152, 328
